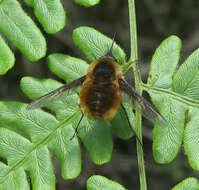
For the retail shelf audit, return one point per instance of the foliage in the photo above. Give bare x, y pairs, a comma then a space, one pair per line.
97, 182
39, 129
27, 37
190, 183
28, 136
175, 94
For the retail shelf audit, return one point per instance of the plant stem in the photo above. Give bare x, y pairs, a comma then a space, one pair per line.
137, 76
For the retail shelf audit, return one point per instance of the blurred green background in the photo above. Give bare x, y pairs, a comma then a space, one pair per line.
156, 20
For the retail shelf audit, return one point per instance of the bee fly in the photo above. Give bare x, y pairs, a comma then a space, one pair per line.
100, 95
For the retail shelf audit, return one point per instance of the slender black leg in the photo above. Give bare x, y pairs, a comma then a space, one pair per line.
130, 124
76, 132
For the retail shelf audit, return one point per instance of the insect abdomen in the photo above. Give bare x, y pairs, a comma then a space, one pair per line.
99, 102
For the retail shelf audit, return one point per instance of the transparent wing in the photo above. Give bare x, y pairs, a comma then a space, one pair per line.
56, 94
148, 110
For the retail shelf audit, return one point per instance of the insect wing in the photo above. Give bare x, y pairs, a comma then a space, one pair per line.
148, 110
59, 93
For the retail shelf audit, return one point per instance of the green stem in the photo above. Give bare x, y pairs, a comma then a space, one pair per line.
137, 76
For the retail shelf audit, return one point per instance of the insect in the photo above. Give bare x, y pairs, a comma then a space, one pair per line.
100, 95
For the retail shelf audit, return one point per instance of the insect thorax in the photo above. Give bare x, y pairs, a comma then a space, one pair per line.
104, 71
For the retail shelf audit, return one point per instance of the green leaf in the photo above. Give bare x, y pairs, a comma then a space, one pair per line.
120, 122
13, 147
68, 153
50, 14
41, 169
96, 137
17, 149
168, 139
190, 183
7, 58
45, 132
164, 62
67, 67
18, 176
191, 141
15, 114
174, 93
95, 44
186, 79
97, 182
26, 36
87, 3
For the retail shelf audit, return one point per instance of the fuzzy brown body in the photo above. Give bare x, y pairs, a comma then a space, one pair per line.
100, 95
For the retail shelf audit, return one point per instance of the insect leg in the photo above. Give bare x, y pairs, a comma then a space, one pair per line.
76, 132
131, 128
